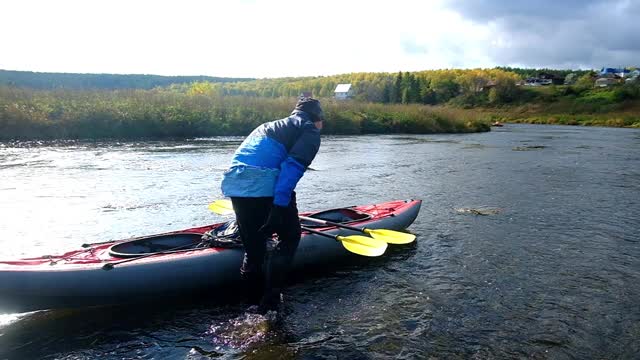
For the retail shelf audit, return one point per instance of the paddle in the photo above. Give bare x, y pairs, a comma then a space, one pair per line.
360, 245
224, 207
390, 236
357, 244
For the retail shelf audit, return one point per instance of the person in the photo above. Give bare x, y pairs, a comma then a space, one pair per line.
261, 180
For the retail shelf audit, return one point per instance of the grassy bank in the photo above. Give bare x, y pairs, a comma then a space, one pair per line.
160, 113
626, 114
617, 106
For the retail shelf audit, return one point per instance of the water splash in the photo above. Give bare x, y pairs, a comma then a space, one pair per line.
244, 330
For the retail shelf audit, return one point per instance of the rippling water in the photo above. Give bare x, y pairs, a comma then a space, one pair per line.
552, 272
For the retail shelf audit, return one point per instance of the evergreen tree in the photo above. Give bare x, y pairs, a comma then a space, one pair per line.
406, 88
386, 94
397, 89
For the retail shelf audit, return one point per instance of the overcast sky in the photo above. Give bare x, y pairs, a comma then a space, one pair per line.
275, 38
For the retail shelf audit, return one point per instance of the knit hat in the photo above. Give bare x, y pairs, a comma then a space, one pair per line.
311, 107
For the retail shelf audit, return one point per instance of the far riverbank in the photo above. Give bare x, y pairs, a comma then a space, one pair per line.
27, 114
567, 111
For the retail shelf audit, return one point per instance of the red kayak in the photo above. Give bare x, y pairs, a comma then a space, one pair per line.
193, 259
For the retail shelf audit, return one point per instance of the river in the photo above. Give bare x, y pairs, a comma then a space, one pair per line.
528, 247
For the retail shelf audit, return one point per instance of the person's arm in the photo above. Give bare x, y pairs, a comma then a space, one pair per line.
293, 167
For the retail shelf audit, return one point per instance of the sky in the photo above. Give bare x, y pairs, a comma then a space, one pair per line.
278, 38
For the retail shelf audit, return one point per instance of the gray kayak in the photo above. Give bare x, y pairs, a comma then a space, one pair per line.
148, 267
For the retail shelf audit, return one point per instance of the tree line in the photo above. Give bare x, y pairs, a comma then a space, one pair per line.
423, 87
463, 87
469, 87
42, 80
457, 87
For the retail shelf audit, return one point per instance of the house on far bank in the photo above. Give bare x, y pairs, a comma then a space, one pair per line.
606, 81
343, 91
544, 78
306, 94
555, 79
537, 82
612, 76
606, 72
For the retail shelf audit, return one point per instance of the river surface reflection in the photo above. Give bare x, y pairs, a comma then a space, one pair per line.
552, 271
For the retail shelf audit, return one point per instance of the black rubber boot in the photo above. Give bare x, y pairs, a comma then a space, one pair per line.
271, 301
253, 286
277, 266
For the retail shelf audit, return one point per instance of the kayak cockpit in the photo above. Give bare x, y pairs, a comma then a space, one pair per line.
157, 244
341, 216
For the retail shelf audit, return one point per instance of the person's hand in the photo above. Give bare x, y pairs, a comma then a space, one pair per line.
274, 221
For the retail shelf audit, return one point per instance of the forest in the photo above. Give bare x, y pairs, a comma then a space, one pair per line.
46, 81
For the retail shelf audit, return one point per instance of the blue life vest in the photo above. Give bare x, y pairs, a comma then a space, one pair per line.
272, 159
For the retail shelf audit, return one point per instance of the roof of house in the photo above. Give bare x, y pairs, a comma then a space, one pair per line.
342, 88
614, 71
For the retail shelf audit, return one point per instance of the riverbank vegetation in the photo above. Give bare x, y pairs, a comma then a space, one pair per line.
411, 102
162, 113
492, 94
617, 106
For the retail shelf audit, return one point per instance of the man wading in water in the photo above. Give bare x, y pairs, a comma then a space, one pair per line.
260, 182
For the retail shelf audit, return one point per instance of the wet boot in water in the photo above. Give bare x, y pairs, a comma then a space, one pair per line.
253, 286
277, 268
271, 301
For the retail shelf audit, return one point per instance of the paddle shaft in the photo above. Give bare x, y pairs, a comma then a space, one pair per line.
335, 237
331, 223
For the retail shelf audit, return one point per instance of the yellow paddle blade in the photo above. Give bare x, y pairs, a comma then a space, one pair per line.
222, 207
391, 236
363, 245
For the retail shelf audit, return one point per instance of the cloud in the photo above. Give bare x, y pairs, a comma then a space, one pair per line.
411, 47
558, 34
273, 38
248, 38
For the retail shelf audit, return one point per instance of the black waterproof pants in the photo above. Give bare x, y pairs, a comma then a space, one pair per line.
264, 281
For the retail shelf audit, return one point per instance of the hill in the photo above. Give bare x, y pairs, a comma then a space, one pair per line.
46, 81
